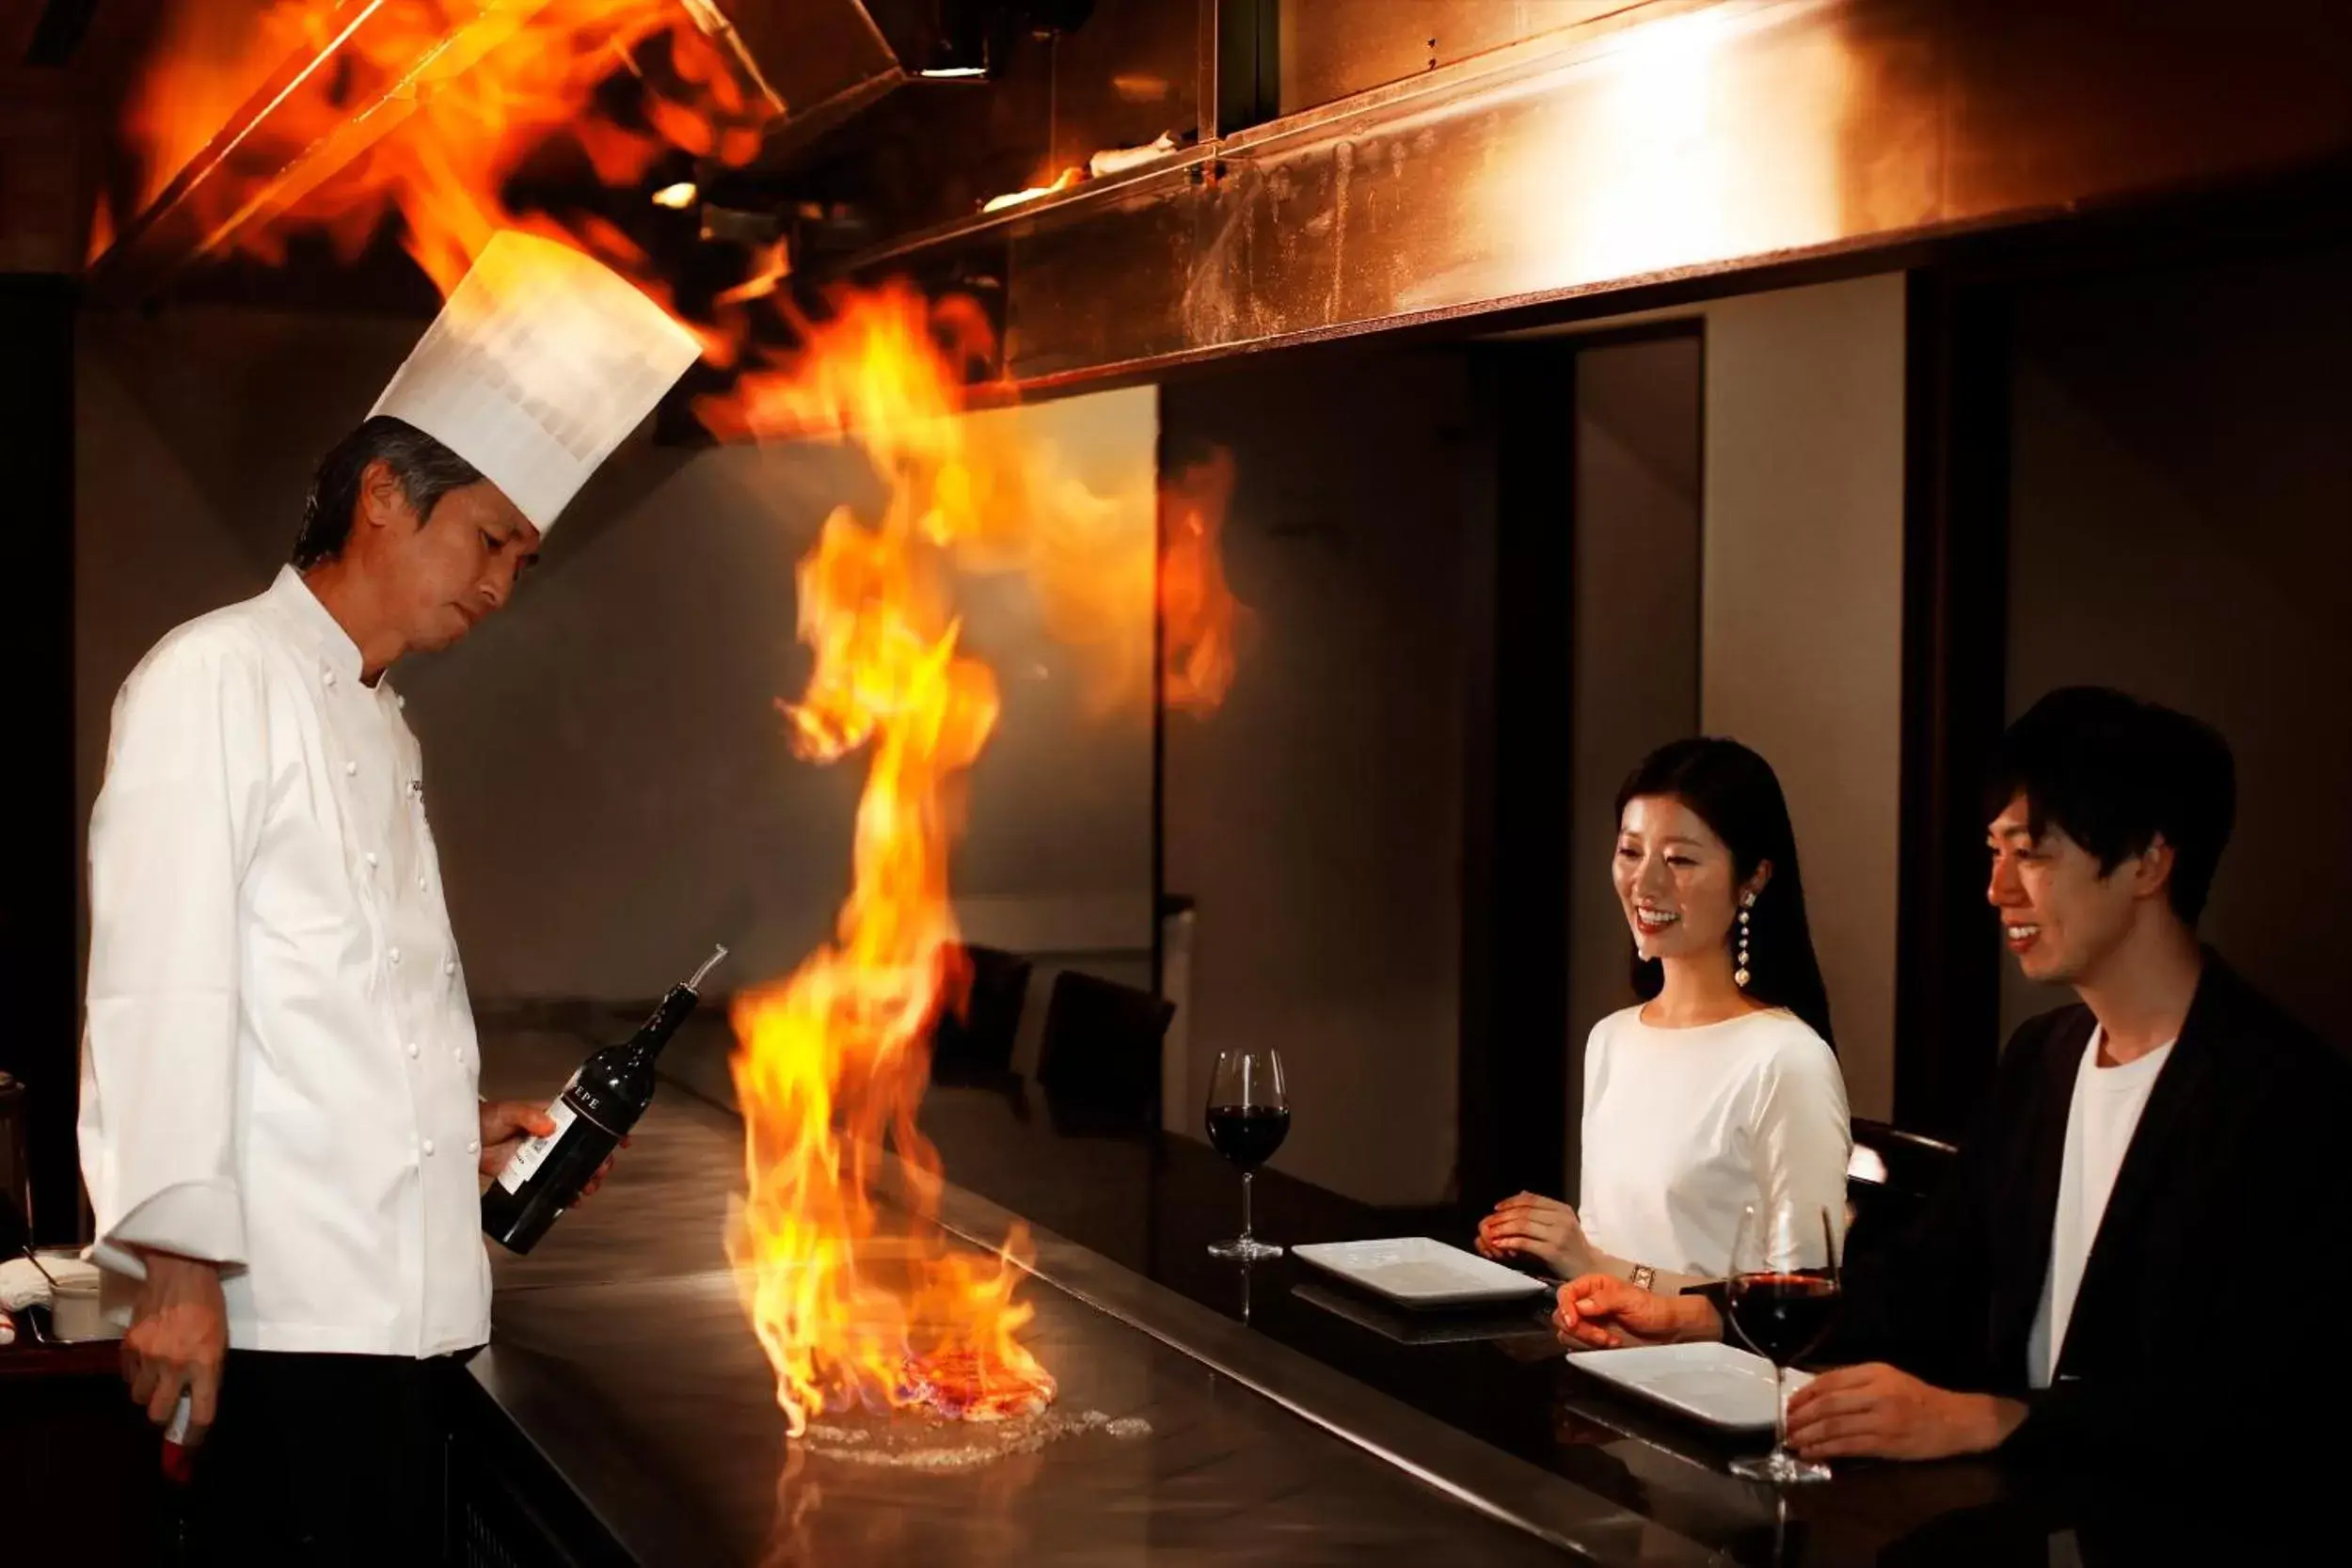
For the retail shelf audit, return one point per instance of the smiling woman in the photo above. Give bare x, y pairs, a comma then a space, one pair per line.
1719, 1090
1716, 816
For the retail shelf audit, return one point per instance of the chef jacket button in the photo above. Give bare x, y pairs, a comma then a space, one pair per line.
449, 966
420, 884
393, 954
428, 1145
412, 1051
473, 1146
399, 701
330, 678
370, 857
350, 767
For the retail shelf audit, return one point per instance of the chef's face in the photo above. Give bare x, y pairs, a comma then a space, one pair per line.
460, 565
2060, 915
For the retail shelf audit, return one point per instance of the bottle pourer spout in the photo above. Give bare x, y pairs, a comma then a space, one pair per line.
711, 963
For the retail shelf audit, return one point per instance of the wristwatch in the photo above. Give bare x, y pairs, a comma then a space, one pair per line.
1643, 1276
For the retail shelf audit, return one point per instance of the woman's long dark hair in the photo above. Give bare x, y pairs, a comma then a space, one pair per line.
1735, 792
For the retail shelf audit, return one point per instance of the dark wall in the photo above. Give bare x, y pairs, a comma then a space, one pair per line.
1636, 589
37, 328
2181, 526
1316, 818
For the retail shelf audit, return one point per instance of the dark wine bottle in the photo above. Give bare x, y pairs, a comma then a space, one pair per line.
594, 1112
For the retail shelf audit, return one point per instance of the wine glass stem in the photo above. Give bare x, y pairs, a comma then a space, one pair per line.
1246, 1234
1780, 1411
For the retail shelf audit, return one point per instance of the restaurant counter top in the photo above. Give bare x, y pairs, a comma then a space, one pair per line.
1274, 1416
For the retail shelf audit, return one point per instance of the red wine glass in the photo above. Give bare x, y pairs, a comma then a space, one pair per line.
1249, 1116
1783, 1294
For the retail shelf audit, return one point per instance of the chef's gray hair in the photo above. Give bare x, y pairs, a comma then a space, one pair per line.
426, 471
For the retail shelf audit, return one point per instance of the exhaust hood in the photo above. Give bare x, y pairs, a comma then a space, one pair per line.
815, 62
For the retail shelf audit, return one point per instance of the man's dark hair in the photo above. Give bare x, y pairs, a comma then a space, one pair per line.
2113, 772
426, 471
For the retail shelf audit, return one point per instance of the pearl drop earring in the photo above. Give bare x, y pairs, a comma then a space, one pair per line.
1739, 974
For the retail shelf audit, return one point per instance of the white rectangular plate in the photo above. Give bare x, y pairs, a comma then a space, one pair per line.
1520, 1319
1415, 1271
1718, 1383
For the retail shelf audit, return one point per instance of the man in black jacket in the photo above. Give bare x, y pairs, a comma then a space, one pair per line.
2160, 1177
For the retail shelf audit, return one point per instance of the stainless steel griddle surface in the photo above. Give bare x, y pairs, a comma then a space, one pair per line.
621, 1353
654, 1399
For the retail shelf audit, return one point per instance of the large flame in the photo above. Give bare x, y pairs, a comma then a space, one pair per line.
856, 1302
833, 1061
479, 87
859, 1304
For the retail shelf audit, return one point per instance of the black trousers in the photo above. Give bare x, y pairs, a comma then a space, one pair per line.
324, 1459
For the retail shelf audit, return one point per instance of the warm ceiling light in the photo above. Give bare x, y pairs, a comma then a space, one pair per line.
966, 40
676, 198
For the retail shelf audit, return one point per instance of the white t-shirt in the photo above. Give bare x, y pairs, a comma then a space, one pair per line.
2099, 1126
1685, 1128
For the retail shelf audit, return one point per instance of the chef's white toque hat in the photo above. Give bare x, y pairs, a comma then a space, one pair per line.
538, 365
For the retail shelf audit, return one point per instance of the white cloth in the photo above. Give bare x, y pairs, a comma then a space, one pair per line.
540, 364
23, 1282
278, 1062
1685, 1128
2100, 1122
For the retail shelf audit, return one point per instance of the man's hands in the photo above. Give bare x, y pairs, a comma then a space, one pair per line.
1851, 1412
178, 1338
505, 1123
1877, 1411
1543, 1228
1601, 1311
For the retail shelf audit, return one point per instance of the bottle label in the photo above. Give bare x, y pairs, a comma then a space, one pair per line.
535, 1152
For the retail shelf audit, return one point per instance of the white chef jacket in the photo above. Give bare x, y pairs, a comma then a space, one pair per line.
278, 1062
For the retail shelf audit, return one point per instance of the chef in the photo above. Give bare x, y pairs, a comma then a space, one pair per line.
279, 1126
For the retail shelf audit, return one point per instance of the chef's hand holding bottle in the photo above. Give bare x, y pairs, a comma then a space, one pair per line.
506, 1125
533, 1183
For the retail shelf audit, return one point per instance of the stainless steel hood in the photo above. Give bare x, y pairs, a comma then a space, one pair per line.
1667, 141
822, 60
1601, 148
817, 62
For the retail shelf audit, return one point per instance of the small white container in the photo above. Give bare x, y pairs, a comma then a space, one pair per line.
74, 1310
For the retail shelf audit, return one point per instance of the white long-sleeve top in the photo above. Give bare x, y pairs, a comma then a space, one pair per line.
278, 1062
1684, 1127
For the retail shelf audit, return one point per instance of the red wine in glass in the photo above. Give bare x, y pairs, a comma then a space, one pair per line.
1248, 1134
1782, 1292
1785, 1316
1248, 1115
